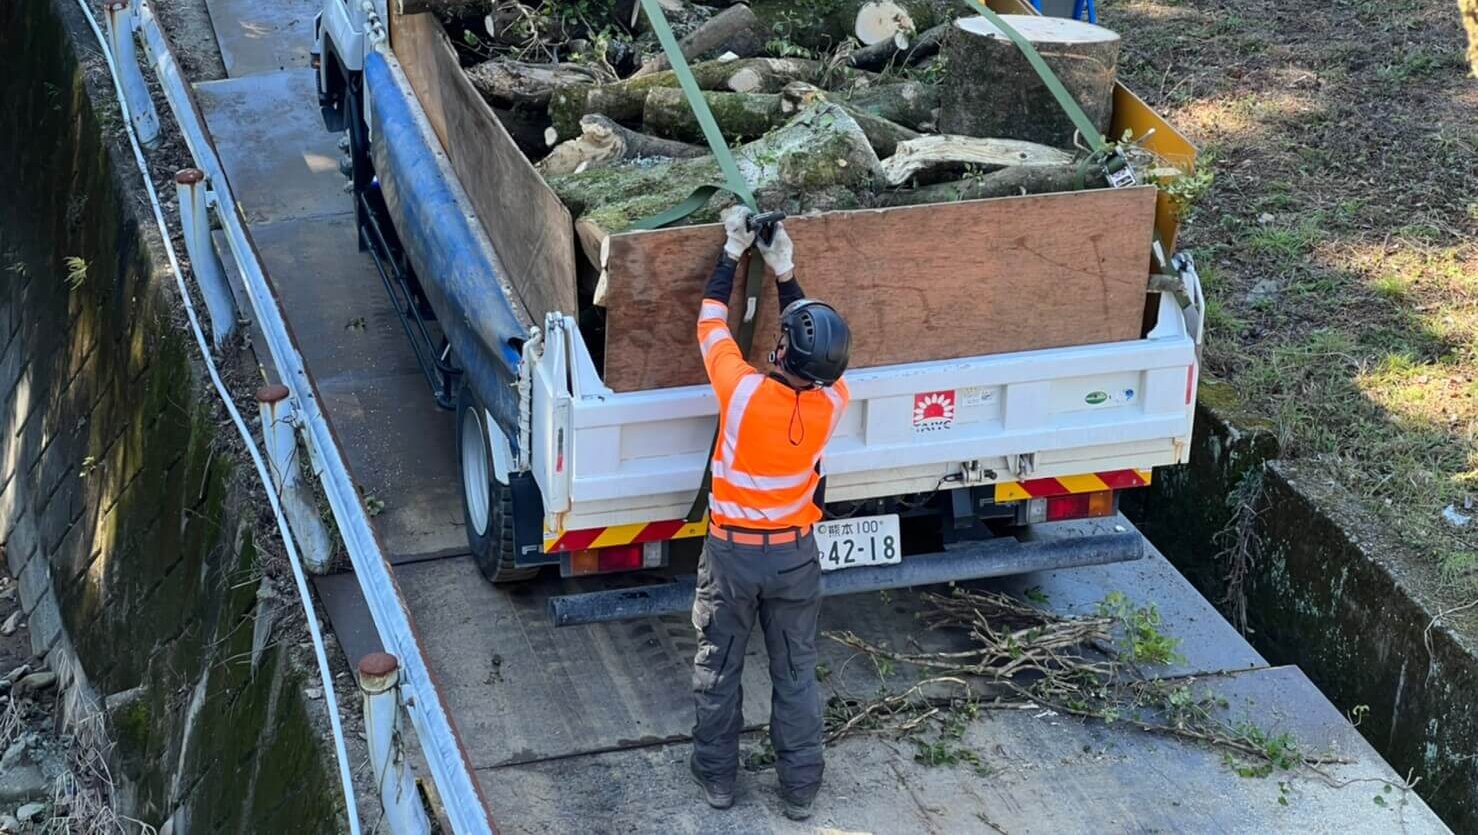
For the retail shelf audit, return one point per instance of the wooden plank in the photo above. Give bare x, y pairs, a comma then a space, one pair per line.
529, 227
916, 283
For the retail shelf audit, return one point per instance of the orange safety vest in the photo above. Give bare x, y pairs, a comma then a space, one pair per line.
767, 462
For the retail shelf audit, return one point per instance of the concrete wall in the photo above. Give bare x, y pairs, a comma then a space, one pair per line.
1326, 590
125, 504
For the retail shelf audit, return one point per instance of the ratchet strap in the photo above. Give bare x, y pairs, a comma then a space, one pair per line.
733, 182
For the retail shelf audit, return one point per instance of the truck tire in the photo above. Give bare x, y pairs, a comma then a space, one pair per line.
487, 504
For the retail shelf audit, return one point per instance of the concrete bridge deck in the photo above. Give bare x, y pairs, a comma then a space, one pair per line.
583, 729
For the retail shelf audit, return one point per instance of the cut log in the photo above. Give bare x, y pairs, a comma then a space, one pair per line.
881, 134
603, 141
883, 21
838, 20
882, 54
929, 152
913, 104
739, 115
820, 160
991, 90
735, 30
516, 84
624, 100
1008, 182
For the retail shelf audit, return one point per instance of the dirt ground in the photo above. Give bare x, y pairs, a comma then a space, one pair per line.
1337, 243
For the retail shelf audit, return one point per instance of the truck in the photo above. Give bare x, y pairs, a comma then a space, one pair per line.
941, 461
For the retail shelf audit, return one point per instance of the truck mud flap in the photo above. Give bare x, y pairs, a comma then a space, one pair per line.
966, 561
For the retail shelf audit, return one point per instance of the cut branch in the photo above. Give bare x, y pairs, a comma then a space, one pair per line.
735, 30
1008, 182
603, 141
516, 84
955, 152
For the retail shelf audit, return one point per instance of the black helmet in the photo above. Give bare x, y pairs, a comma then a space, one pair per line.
817, 341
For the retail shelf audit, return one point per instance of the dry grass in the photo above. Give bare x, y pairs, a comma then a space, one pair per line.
1344, 138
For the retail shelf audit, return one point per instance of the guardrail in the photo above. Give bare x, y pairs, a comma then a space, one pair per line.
451, 771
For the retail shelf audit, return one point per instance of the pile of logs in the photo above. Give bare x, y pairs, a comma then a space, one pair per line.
863, 104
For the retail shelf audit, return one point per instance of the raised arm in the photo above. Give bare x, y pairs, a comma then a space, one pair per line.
722, 358
780, 256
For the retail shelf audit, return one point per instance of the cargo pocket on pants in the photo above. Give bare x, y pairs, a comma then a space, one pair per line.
709, 665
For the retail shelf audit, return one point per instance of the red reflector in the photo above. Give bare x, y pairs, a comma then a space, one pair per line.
1081, 506
620, 558
1190, 383
1067, 507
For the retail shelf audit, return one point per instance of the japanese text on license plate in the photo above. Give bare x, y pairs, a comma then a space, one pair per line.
865, 540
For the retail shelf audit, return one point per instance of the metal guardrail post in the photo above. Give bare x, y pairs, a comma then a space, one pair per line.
452, 773
205, 262
121, 25
379, 682
281, 446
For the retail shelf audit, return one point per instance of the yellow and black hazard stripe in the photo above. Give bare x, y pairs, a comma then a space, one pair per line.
1014, 491
1046, 488
555, 542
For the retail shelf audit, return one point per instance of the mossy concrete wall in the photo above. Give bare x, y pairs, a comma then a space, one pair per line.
1328, 591
125, 510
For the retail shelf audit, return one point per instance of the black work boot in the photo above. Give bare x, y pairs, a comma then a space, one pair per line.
717, 797
795, 809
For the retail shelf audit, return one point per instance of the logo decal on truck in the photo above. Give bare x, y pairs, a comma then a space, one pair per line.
933, 410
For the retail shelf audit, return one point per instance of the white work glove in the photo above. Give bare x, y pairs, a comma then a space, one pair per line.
741, 237
779, 252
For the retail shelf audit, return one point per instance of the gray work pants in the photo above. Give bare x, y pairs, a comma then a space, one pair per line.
782, 585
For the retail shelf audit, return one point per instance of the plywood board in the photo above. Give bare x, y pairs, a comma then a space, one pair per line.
915, 283
529, 227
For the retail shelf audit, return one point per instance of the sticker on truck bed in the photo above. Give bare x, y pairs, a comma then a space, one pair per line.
933, 410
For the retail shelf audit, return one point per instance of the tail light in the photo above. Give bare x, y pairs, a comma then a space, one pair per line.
615, 558
1074, 506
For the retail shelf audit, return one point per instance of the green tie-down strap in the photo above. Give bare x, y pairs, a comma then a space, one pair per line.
733, 182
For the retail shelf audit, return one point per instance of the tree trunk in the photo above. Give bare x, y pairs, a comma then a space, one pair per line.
820, 160
882, 54
991, 90
624, 100
792, 22
735, 30
957, 152
913, 104
605, 141
881, 134
1008, 182
514, 83
739, 115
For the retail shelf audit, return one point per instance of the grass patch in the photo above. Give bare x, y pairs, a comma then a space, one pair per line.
1347, 164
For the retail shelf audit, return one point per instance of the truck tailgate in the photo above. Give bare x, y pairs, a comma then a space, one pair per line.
604, 459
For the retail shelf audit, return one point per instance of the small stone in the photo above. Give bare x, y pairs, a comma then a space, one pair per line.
13, 676
12, 756
1263, 291
35, 683
1265, 218
11, 624
9, 824
31, 812
313, 693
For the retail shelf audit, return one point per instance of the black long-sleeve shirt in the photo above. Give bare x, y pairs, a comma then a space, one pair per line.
721, 284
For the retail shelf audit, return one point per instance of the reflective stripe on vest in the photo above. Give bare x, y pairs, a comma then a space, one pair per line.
744, 480
733, 510
712, 310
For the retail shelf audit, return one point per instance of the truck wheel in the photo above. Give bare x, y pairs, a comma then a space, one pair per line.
487, 505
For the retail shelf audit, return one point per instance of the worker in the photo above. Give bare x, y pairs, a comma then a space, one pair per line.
760, 559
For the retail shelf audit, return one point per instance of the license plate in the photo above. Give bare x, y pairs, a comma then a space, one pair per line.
863, 540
